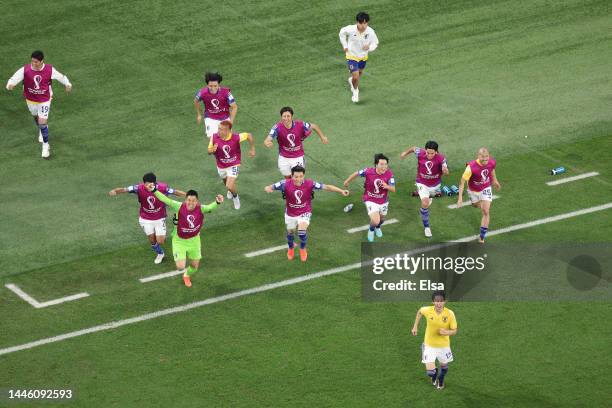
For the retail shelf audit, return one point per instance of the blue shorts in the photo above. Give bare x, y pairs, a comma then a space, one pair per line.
355, 65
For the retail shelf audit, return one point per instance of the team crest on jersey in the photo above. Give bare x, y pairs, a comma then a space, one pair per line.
444, 319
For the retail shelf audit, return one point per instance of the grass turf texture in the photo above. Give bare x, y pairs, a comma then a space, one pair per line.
463, 73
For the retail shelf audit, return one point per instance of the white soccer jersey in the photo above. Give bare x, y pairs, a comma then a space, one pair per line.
354, 41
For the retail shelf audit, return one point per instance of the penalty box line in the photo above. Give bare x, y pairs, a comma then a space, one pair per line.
274, 285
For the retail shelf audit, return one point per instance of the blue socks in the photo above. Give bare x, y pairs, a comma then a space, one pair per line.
158, 250
45, 132
433, 374
372, 227
443, 371
483, 232
303, 238
290, 239
425, 217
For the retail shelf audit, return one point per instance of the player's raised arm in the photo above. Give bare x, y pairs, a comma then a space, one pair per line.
177, 192
15, 79
407, 152
415, 327
206, 208
329, 187
317, 129
175, 205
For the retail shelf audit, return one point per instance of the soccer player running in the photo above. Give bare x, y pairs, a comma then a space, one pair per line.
219, 104
480, 174
430, 167
226, 148
152, 218
37, 77
186, 237
298, 194
357, 41
441, 324
379, 181
290, 135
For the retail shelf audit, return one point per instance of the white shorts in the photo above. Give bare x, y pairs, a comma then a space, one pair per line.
157, 227
376, 208
228, 172
430, 354
285, 164
426, 191
39, 109
211, 126
292, 222
484, 195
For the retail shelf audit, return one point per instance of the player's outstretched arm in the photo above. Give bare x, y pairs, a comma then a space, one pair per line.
209, 207
317, 129
407, 152
415, 327
118, 190
180, 193
175, 205
329, 187
350, 178
268, 141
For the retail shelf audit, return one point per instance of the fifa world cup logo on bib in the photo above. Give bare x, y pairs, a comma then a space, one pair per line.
151, 202
226, 151
298, 196
377, 185
37, 80
215, 103
429, 166
191, 221
485, 175
291, 139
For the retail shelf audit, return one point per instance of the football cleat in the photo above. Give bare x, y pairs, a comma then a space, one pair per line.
370, 236
428, 232
229, 195
236, 202
303, 254
290, 253
378, 232
187, 280
159, 258
46, 150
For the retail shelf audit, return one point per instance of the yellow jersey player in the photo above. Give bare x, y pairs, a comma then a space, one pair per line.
441, 324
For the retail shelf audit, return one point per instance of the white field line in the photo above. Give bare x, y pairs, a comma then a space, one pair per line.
365, 227
275, 285
39, 305
265, 251
468, 202
159, 276
574, 178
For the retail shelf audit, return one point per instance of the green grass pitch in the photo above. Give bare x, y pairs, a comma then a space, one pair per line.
531, 80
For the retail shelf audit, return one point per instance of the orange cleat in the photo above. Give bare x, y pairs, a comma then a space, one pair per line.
187, 280
303, 254
290, 254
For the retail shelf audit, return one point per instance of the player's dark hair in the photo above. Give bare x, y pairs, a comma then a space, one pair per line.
38, 54
438, 293
431, 145
298, 169
362, 17
286, 109
149, 178
213, 77
192, 193
378, 157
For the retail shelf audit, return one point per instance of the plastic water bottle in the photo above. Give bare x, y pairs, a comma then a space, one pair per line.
348, 208
454, 189
558, 170
447, 191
